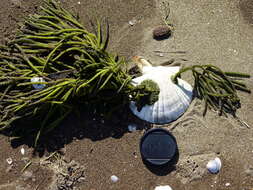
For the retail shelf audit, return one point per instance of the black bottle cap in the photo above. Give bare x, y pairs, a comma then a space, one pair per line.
158, 146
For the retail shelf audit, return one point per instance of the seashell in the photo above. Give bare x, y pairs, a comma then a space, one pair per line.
22, 150
214, 166
174, 99
38, 86
114, 178
9, 161
132, 22
165, 187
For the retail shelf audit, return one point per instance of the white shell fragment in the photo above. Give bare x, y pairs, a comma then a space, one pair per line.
132, 22
114, 178
9, 161
166, 187
214, 166
22, 150
38, 86
174, 99
132, 127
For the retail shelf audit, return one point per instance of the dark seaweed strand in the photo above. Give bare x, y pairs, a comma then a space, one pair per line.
217, 88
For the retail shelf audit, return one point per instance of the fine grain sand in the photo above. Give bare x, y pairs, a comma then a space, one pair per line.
218, 32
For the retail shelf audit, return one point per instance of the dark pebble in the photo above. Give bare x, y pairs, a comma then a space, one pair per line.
161, 32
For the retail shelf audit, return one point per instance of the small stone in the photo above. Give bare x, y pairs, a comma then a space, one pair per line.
22, 151
165, 187
132, 127
227, 184
9, 161
114, 178
78, 2
161, 32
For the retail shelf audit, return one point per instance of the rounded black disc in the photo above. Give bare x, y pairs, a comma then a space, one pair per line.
158, 146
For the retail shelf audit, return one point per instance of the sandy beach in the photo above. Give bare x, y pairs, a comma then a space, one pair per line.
84, 154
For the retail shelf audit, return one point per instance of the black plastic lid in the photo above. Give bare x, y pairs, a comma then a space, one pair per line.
158, 146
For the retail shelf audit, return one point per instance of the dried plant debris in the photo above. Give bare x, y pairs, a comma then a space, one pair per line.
72, 65
217, 88
67, 174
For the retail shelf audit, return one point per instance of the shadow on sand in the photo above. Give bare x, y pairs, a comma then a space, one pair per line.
86, 125
163, 170
95, 128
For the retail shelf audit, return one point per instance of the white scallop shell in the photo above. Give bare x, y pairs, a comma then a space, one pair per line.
214, 166
174, 99
38, 86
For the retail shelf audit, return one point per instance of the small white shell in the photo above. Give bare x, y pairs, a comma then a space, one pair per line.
22, 150
214, 166
114, 178
38, 86
173, 99
9, 161
166, 187
132, 22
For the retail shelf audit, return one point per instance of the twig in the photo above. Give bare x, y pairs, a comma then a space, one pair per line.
26, 166
243, 122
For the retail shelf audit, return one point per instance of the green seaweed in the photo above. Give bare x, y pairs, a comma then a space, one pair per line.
75, 65
217, 88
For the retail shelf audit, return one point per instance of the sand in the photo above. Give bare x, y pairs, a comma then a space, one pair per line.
218, 32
